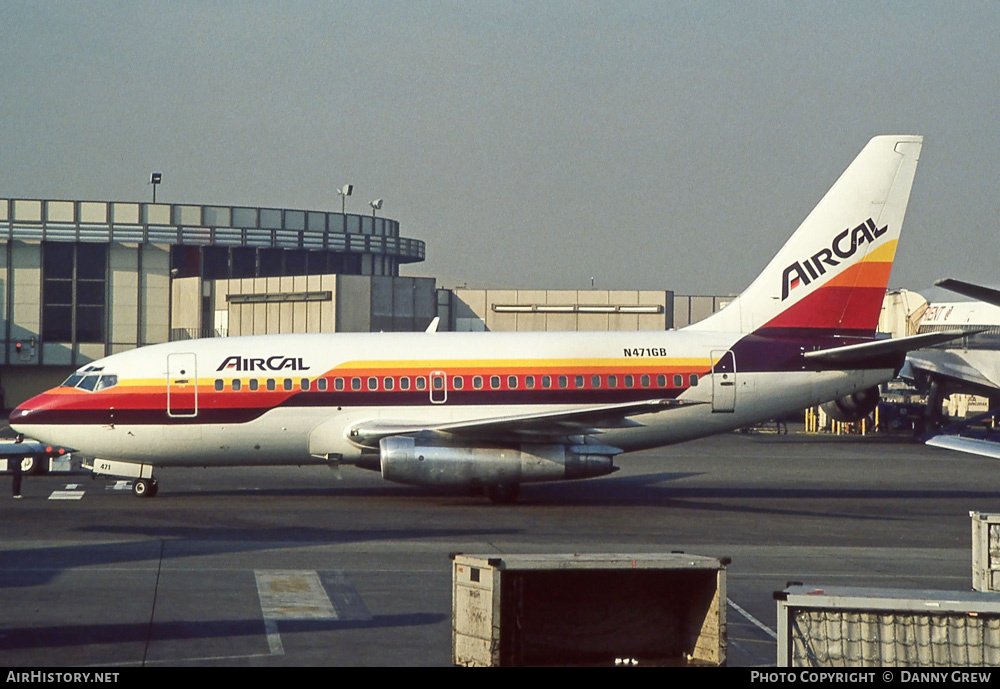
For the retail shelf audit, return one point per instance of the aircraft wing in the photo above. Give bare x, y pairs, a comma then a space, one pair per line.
976, 446
973, 372
540, 427
855, 353
990, 296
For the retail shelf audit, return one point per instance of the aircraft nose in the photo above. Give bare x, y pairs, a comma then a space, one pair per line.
20, 414
26, 412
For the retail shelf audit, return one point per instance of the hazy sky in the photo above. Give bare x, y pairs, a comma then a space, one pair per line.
654, 145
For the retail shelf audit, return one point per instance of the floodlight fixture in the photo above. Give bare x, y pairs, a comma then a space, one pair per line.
344, 192
155, 178
376, 205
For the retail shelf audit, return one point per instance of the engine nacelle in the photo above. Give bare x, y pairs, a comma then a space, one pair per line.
403, 460
853, 407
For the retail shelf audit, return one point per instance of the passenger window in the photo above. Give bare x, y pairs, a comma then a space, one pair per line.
457, 382
387, 383
404, 383
595, 381
236, 384
254, 385
644, 380
373, 383
563, 382
287, 384
661, 381
579, 381
355, 383
304, 384
546, 382
511, 382
321, 384
612, 381
629, 381
477, 382
220, 385
495, 382
338, 383
272, 385
694, 379
529, 382
421, 383
678, 380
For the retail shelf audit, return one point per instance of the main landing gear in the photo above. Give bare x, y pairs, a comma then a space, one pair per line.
503, 493
145, 488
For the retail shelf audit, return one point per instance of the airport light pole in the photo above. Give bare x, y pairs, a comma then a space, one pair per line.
344, 192
155, 178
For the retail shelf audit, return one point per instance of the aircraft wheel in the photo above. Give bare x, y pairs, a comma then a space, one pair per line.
503, 493
31, 466
144, 488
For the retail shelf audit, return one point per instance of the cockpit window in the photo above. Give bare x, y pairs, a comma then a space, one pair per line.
91, 382
108, 380
88, 383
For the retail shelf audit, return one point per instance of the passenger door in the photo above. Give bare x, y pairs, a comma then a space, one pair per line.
182, 385
723, 381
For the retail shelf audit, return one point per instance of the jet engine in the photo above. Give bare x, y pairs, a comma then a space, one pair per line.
853, 407
403, 460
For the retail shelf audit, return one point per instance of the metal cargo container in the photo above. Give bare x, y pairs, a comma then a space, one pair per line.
592, 609
985, 551
841, 626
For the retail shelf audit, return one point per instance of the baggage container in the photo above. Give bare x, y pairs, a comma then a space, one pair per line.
590, 609
840, 626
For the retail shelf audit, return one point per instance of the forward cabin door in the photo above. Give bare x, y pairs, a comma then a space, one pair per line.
182, 385
723, 381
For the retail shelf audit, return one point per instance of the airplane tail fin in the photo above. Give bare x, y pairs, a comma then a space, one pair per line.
830, 277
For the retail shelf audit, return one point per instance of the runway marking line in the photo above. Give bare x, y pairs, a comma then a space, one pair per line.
67, 494
302, 594
753, 620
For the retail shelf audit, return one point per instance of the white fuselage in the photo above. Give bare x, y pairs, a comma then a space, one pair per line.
192, 404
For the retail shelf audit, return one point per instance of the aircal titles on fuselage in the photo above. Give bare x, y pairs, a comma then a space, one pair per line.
271, 363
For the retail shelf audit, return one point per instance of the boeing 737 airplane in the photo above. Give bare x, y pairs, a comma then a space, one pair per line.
496, 410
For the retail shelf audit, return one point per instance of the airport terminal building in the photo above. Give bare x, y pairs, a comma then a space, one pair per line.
83, 279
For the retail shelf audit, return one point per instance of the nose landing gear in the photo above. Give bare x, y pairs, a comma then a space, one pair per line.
145, 488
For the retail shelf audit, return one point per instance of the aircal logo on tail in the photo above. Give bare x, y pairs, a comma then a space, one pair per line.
844, 246
271, 363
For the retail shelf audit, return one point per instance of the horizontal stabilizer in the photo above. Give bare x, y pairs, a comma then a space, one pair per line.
975, 446
852, 354
986, 294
